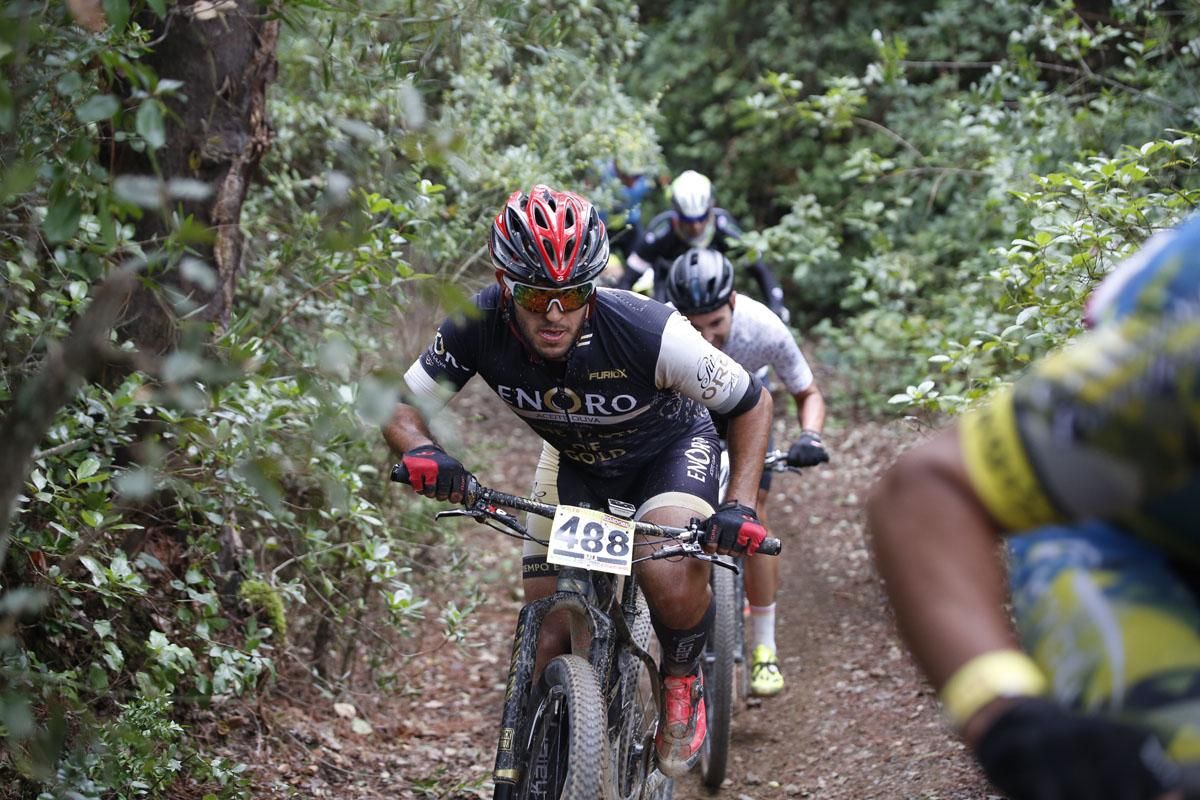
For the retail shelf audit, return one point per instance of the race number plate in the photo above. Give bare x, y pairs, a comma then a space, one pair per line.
590, 539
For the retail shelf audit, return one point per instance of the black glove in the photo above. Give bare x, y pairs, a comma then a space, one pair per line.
734, 529
808, 451
1038, 750
435, 474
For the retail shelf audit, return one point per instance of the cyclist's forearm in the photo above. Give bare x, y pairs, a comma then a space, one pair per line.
747, 437
769, 284
937, 550
406, 429
810, 409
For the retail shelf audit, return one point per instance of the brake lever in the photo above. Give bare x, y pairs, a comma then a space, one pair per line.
474, 513
692, 550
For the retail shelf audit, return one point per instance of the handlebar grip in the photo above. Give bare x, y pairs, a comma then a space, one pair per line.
399, 473
770, 547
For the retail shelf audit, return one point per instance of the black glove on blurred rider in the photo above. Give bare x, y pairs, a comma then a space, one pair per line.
808, 451
734, 529
1038, 750
433, 473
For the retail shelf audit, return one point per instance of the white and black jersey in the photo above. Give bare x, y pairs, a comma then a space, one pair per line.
758, 338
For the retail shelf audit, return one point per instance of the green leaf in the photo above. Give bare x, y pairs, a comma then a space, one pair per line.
150, 124
62, 220
89, 467
117, 12
17, 179
69, 83
97, 107
159, 7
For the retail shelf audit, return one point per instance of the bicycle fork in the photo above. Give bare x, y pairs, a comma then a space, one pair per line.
519, 691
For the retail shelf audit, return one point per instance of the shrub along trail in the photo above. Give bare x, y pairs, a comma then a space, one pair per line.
855, 721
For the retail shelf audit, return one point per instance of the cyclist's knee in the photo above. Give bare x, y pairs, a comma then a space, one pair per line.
677, 592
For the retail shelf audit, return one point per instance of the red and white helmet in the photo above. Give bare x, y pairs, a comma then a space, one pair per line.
549, 238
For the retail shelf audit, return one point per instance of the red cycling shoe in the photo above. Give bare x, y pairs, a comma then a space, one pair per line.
681, 734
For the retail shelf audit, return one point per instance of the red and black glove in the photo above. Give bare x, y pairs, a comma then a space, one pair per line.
734, 529
434, 474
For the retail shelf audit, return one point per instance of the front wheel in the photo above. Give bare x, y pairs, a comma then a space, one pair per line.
720, 663
566, 747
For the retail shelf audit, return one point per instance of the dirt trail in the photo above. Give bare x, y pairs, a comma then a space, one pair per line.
855, 722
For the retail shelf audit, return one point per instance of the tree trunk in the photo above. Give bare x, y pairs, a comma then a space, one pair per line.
223, 52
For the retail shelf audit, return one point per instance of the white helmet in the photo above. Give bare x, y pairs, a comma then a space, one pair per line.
691, 195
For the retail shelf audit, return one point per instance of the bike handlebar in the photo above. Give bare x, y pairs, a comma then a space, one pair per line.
479, 496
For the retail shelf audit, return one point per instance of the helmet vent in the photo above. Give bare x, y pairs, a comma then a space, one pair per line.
570, 219
540, 218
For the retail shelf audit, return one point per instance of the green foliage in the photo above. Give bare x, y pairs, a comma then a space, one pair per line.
896, 160
181, 518
262, 597
940, 184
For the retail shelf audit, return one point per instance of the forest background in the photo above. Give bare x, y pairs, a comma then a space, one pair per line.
216, 215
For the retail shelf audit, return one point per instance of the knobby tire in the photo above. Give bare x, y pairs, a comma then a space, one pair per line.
720, 665
636, 719
567, 745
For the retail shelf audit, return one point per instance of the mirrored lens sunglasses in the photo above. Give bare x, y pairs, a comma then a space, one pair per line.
538, 299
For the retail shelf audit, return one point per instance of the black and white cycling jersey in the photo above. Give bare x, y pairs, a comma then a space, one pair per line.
758, 338
660, 245
638, 377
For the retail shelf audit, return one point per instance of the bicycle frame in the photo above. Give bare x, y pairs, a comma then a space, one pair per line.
599, 618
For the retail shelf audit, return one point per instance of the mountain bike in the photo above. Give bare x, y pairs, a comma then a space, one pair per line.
726, 664
586, 730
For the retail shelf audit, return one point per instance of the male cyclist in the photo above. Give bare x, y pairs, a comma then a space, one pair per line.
700, 286
619, 388
693, 221
1090, 461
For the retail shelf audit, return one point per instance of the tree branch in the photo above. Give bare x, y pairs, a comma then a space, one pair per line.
1084, 72
891, 134
37, 401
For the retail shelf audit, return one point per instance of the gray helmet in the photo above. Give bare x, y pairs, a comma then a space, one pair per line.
700, 281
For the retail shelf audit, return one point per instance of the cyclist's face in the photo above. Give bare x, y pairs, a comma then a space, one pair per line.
714, 325
692, 231
551, 334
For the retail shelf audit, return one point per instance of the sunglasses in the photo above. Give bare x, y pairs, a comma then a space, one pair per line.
538, 299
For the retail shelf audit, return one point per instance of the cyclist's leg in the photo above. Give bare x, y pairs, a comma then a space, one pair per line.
762, 574
681, 484
1114, 626
762, 584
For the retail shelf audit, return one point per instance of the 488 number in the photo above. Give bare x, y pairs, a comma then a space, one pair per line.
594, 538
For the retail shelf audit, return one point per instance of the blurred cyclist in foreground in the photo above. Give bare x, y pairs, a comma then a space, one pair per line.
1091, 462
